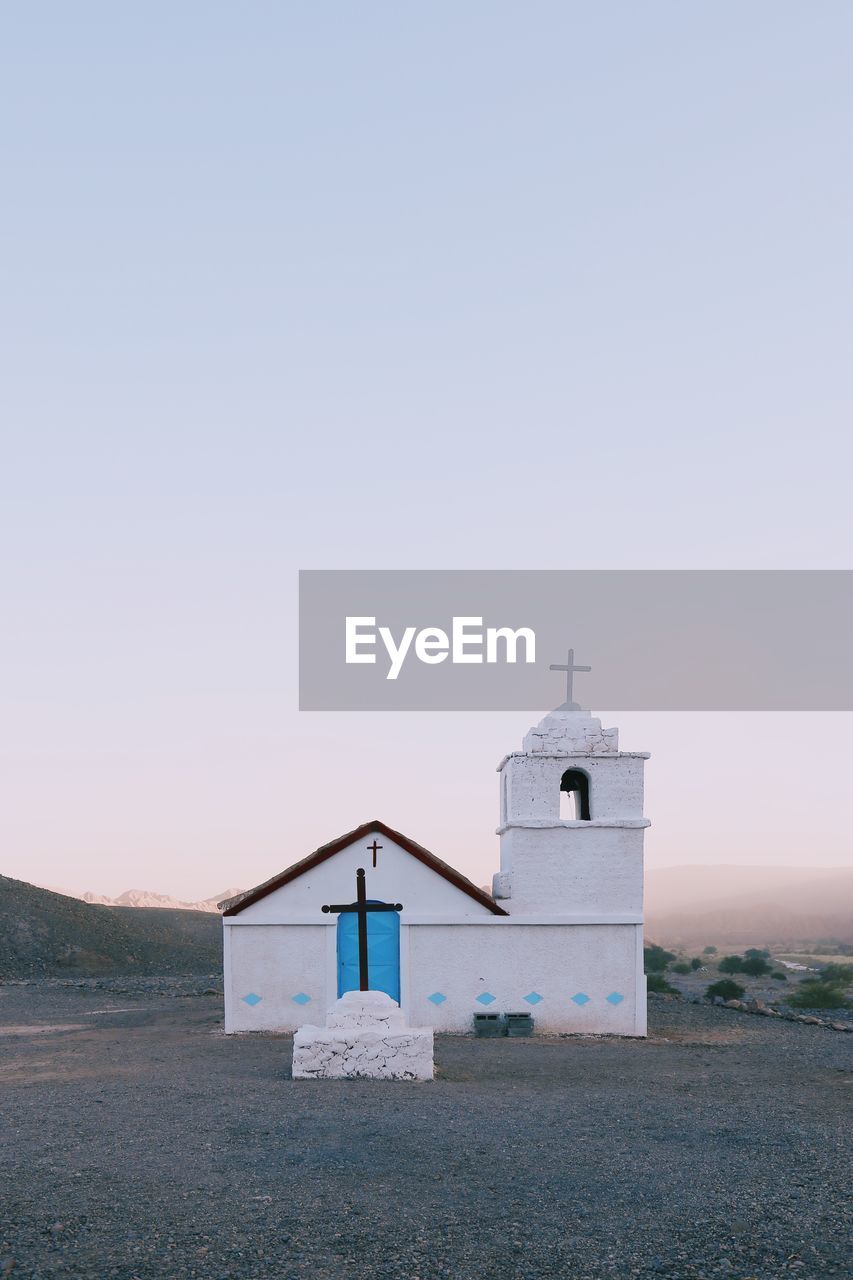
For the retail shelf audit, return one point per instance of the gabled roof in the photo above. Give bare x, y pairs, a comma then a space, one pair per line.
233, 906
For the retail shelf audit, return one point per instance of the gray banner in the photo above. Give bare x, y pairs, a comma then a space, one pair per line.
655, 640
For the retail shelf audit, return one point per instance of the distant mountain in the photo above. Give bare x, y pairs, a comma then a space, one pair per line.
44, 933
734, 904
147, 898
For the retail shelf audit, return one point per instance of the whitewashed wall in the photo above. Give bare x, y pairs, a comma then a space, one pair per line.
274, 963
574, 866
458, 962
532, 784
513, 961
397, 877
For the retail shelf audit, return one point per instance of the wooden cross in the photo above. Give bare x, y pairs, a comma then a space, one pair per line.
374, 849
569, 667
362, 906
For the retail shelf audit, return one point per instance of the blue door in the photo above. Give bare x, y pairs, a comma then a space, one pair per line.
383, 952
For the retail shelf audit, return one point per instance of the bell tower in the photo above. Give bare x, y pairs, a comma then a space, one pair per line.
571, 819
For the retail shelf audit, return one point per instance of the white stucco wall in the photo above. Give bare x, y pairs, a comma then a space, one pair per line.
397, 877
459, 962
533, 785
573, 867
275, 963
513, 961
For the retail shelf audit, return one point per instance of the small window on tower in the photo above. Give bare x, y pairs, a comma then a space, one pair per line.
574, 796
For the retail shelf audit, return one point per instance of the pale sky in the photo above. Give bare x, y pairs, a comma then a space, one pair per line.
470, 285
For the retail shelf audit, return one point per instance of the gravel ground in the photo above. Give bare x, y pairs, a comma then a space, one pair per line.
139, 1141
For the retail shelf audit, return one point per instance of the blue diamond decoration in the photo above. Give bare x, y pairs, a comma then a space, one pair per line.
581, 998
486, 998
614, 998
301, 998
252, 999
534, 997
437, 997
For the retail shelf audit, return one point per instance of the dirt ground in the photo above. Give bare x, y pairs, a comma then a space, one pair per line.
139, 1141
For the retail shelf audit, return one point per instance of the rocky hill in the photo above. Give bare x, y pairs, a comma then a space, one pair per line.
44, 933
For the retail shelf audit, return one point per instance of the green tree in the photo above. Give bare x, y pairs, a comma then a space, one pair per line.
814, 994
726, 989
755, 966
695, 963
731, 964
681, 967
839, 975
756, 953
656, 959
709, 951
657, 983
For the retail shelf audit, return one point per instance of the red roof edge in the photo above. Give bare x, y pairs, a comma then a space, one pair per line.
329, 850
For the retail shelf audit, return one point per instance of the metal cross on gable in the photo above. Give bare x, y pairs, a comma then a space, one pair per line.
374, 849
570, 668
361, 906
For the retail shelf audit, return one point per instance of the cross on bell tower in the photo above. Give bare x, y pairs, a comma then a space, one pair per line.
570, 667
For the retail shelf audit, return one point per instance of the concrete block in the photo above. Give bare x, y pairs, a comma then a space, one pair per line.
365, 1037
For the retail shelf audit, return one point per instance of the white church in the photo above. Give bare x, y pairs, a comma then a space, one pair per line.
560, 936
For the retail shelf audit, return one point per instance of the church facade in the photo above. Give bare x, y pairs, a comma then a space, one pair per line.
560, 936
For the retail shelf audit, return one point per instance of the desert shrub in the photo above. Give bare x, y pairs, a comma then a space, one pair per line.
681, 967
779, 975
709, 951
657, 983
756, 953
755, 966
726, 988
695, 963
839, 975
731, 964
814, 994
656, 959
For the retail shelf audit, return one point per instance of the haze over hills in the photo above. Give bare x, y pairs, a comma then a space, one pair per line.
735, 904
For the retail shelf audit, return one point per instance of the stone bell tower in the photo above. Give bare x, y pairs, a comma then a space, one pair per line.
571, 824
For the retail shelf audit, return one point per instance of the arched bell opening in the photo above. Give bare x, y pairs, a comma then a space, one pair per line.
574, 796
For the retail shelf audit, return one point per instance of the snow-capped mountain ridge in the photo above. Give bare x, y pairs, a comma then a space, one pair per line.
147, 898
